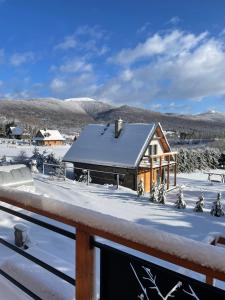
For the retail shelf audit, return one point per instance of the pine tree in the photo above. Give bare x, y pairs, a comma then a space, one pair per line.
217, 207
162, 194
180, 203
140, 188
154, 193
199, 204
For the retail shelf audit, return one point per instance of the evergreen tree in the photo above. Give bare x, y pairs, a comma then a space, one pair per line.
162, 194
217, 207
180, 203
140, 188
199, 204
154, 193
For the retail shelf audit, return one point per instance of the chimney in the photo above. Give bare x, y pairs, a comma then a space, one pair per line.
118, 127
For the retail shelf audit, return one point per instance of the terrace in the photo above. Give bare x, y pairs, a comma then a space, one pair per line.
118, 269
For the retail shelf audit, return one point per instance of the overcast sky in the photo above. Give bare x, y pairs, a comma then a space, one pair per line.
162, 55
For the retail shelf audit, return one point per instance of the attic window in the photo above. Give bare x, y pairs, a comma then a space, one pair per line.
153, 149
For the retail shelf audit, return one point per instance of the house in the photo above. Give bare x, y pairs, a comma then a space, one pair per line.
47, 137
127, 152
15, 132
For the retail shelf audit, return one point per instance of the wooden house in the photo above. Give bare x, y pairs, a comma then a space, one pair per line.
128, 150
47, 137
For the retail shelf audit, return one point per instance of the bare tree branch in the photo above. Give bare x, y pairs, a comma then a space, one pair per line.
192, 293
142, 287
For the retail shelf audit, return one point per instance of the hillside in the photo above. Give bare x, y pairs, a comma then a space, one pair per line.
72, 114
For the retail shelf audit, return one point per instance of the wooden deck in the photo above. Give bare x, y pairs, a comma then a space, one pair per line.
85, 235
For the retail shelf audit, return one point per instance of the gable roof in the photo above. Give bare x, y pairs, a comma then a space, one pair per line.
97, 145
49, 135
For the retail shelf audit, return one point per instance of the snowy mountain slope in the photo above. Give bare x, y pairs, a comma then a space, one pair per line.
72, 114
211, 116
80, 99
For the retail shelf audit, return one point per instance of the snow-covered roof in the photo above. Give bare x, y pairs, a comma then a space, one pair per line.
16, 130
98, 145
49, 135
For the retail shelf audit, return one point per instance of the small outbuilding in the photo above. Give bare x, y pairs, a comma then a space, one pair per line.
15, 132
47, 137
124, 152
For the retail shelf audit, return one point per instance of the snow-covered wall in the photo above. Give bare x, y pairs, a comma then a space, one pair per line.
193, 251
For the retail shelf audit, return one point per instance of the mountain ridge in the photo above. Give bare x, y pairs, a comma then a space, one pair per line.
71, 116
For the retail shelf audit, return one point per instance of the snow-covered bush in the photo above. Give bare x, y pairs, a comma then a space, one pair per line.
200, 204
190, 160
180, 203
140, 188
217, 207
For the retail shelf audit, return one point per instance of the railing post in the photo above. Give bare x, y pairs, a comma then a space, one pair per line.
85, 266
168, 173
64, 171
209, 280
117, 180
88, 176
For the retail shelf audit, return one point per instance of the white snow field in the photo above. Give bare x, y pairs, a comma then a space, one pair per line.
123, 203
9, 149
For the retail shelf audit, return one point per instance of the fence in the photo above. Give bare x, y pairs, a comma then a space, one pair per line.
122, 276
80, 174
52, 170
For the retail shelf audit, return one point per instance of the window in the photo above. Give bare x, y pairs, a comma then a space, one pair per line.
150, 150
155, 149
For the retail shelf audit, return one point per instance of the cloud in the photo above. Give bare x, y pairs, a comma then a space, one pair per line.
69, 42
58, 85
85, 39
176, 66
75, 65
81, 85
143, 28
170, 44
174, 20
18, 59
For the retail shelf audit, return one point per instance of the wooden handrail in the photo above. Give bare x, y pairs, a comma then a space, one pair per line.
193, 255
163, 154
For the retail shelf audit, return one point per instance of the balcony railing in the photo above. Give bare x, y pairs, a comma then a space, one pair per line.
89, 225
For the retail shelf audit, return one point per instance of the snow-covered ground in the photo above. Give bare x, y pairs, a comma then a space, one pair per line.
8, 148
122, 203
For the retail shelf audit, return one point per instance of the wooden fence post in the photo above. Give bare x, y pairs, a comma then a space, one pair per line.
85, 267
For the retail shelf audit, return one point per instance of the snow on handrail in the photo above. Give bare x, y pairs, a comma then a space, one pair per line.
195, 255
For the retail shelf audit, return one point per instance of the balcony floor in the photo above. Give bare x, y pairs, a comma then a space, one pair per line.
8, 291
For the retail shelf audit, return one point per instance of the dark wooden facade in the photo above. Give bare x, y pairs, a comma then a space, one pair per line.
154, 166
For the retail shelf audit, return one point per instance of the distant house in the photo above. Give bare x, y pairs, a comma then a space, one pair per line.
15, 132
130, 151
47, 137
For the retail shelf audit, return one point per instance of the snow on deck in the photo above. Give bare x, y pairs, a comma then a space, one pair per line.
123, 204
98, 145
8, 291
148, 235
